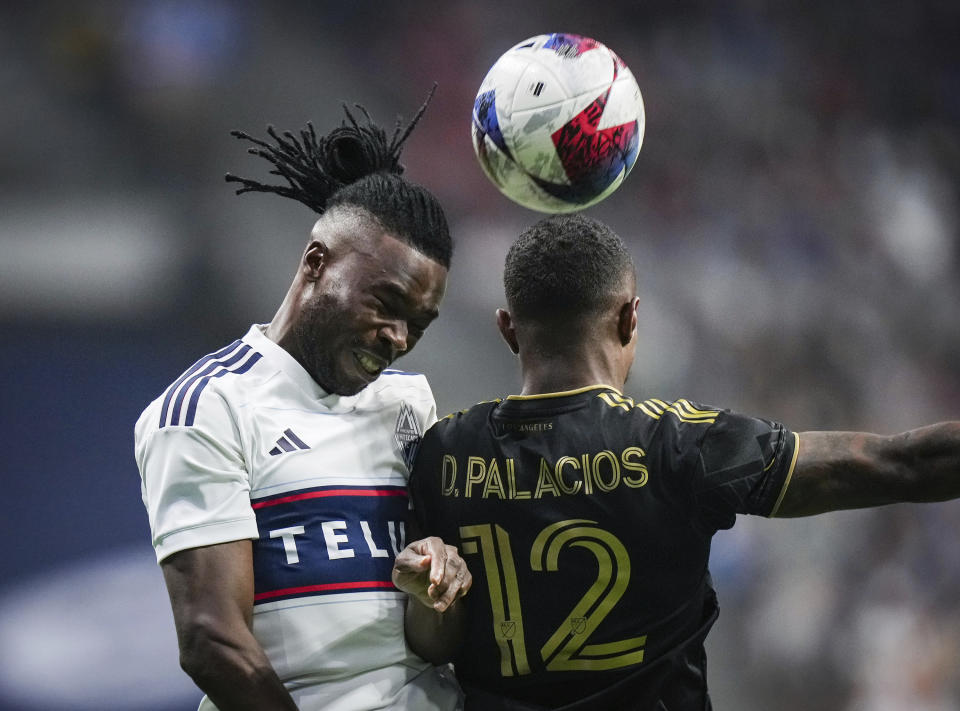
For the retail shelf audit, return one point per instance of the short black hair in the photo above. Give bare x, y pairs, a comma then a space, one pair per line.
355, 165
565, 266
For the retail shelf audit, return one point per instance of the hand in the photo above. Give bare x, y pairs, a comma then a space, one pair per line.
432, 572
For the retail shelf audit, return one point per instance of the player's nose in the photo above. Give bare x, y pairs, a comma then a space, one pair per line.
395, 335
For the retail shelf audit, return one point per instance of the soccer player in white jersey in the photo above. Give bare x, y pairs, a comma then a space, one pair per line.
274, 470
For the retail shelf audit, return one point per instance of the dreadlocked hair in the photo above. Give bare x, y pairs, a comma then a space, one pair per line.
354, 165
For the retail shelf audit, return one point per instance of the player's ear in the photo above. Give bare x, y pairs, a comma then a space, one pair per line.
507, 330
314, 260
627, 321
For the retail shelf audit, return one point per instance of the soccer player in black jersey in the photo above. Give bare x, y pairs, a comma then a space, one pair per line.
586, 515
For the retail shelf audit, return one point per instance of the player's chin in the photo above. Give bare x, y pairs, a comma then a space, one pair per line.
342, 381
352, 386
354, 378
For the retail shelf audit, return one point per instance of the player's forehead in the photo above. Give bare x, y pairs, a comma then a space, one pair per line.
394, 270
370, 255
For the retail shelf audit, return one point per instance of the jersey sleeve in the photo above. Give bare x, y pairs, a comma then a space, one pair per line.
744, 466
194, 482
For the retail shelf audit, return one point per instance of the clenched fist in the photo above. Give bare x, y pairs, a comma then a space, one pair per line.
433, 572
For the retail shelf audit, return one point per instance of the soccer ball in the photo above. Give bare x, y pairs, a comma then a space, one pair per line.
558, 122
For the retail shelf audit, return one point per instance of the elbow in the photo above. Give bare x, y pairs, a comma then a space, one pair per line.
198, 649
194, 666
208, 652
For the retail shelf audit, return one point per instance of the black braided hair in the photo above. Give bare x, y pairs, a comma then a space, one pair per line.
355, 165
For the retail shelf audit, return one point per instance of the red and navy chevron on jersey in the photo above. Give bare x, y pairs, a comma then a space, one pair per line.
328, 539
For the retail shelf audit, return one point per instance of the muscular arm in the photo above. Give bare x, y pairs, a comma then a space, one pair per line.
434, 576
849, 470
211, 592
432, 635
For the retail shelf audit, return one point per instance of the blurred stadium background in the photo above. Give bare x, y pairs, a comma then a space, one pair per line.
794, 217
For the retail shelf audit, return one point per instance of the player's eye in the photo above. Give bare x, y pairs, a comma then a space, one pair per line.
381, 307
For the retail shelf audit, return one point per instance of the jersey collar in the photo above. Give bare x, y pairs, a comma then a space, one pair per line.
282, 360
564, 393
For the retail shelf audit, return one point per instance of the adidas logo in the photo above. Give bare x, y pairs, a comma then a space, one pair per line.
288, 443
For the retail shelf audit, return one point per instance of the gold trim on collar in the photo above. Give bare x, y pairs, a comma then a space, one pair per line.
564, 393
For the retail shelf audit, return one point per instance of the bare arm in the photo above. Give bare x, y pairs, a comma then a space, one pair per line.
434, 576
211, 592
849, 470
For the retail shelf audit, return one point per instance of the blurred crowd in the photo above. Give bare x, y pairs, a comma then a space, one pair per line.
794, 216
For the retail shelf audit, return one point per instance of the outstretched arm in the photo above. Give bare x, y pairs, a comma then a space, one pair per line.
849, 470
434, 576
211, 591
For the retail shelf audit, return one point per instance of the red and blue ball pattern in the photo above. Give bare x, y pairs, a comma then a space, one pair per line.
592, 158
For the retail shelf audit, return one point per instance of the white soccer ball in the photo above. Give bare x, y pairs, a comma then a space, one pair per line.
558, 122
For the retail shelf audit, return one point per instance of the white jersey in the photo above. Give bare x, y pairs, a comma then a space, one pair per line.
246, 445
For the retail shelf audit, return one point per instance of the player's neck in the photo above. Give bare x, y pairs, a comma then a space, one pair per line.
282, 327
562, 373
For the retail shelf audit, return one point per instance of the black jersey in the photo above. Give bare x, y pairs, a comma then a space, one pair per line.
586, 520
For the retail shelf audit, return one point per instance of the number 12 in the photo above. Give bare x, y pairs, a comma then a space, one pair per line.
567, 647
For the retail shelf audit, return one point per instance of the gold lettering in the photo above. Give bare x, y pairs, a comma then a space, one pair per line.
587, 479
512, 490
476, 473
568, 476
614, 470
558, 471
448, 474
493, 484
545, 481
628, 457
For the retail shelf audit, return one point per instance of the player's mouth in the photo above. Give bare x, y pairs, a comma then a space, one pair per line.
369, 363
